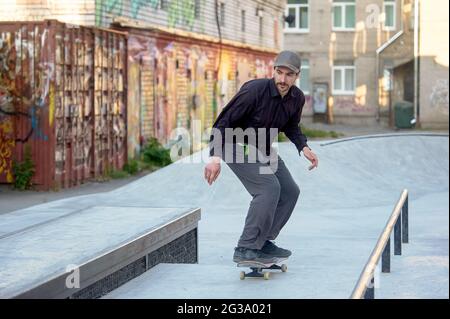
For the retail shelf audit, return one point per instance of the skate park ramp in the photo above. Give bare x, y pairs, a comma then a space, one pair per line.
343, 207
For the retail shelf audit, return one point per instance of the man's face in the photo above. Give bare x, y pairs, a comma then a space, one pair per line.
284, 79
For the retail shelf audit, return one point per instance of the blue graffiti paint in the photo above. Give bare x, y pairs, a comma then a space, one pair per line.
136, 6
38, 134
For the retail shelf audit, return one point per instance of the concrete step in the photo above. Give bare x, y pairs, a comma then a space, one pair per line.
92, 251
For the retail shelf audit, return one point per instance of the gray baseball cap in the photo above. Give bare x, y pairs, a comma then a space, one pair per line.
288, 59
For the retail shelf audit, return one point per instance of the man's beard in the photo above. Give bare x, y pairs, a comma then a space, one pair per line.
283, 86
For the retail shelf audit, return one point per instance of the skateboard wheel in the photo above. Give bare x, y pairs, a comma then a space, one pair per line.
283, 267
242, 275
266, 275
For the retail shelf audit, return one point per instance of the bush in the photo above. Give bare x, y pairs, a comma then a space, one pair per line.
155, 153
24, 171
132, 167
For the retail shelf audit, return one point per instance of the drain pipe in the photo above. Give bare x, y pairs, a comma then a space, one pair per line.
416, 64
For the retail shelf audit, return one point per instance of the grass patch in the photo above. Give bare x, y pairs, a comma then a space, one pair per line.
312, 133
152, 157
131, 168
118, 174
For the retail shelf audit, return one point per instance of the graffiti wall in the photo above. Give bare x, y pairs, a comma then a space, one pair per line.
179, 12
433, 96
61, 92
110, 126
191, 81
198, 16
86, 99
26, 75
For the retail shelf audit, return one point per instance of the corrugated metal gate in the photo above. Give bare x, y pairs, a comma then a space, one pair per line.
86, 98
62, 91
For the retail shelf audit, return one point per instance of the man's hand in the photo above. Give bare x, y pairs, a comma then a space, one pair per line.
311, 157
212, 169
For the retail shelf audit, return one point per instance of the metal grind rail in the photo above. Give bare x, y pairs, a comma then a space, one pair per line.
398, 222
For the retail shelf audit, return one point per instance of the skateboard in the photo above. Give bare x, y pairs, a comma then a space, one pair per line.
258, 267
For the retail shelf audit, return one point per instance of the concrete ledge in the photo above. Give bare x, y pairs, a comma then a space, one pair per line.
31, 267
362, 137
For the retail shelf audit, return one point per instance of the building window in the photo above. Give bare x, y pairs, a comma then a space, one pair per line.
222, 14
387, 79
304, 82
299, 10
164, 4
344, 18
261, 26
243, 20
343, 78
389, 14
197, 6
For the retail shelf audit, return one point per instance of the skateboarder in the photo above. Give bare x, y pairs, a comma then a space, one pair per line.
262, 104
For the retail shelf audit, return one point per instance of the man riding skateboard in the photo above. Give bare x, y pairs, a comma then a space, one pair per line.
262, 105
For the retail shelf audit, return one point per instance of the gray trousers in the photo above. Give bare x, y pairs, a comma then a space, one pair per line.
274, 198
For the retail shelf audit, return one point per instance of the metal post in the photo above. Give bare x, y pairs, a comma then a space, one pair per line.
386, 257
370, 291
397, 236
405, 232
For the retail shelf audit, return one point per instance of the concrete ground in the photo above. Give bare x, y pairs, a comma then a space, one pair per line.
343, 207
11, 199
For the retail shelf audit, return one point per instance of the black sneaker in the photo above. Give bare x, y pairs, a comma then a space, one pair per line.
247, 254
273, 250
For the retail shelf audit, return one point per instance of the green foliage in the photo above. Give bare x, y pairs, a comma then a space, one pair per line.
282, 137
154, 153
24, 171
132, 167
118, 174
335, 135
311, 133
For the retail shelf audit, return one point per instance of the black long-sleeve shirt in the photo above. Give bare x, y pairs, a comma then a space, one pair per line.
258, 104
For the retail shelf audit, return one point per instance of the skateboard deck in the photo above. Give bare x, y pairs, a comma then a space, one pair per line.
258, 267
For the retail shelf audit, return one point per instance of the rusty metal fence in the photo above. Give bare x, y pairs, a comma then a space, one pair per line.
63, 93
85, 98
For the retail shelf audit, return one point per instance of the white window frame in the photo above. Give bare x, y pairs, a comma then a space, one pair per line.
297, 82
297, 28
343, 6
394, 5
343, 69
